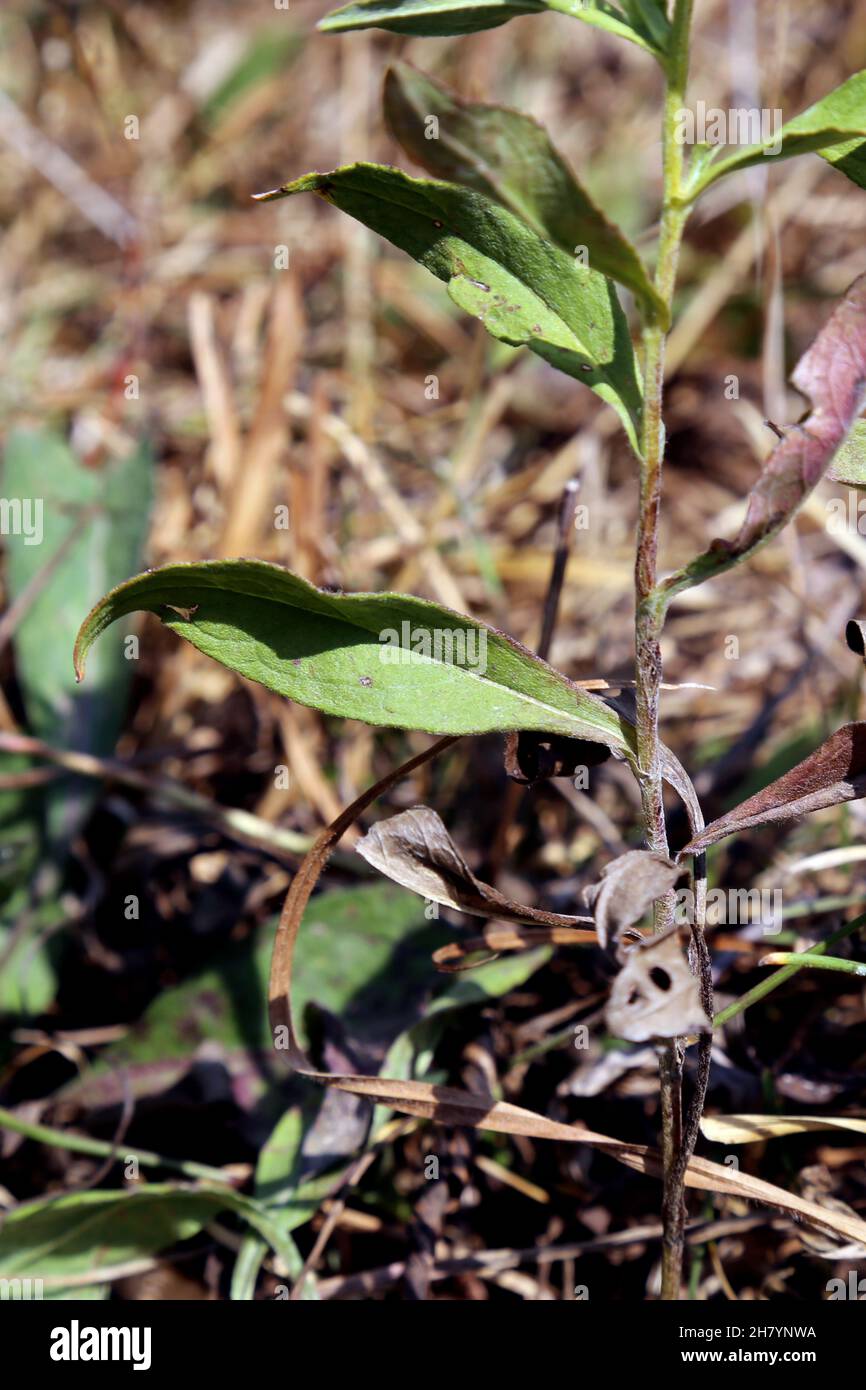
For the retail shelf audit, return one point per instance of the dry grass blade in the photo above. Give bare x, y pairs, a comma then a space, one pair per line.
495, 939
749, 1129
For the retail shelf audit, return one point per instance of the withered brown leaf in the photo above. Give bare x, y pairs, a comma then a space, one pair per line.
415, 850
628, 886
655, 995
834, 773
832, 374
531, 757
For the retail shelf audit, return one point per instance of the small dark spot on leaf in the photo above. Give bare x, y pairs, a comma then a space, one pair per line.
366, 680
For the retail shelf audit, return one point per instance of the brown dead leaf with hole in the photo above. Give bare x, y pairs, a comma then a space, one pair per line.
416, 851
833, 774
628, 887
655, 994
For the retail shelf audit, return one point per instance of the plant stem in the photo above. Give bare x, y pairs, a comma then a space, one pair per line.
847, 967
649, 611
760, 991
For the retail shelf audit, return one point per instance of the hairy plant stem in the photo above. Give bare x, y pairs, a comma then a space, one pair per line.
649, 615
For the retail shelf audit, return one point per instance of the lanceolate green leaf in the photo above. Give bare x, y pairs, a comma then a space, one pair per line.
509, 157
835, 127
428, 18
95, 522
849, 159
649, 18
644, 25
388, 659
523, 289
59, 1238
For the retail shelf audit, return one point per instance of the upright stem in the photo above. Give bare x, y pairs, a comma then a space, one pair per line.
649, 610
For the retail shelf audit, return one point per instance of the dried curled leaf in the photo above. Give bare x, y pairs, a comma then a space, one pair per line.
655, 995
629, 885
834, 773
531, 758
415, 850
855, 636
832, 374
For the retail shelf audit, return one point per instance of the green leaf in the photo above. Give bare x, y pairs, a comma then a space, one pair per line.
366, 958
649, 18
97, 520
849, 159
523, 289
509, 157
86, 531
835, 127
432, 18
339, 652
428, 17
94, 522
55, 1238
849, 464
489, 981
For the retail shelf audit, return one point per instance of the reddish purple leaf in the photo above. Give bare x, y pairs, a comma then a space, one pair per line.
834, 773
832, 374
